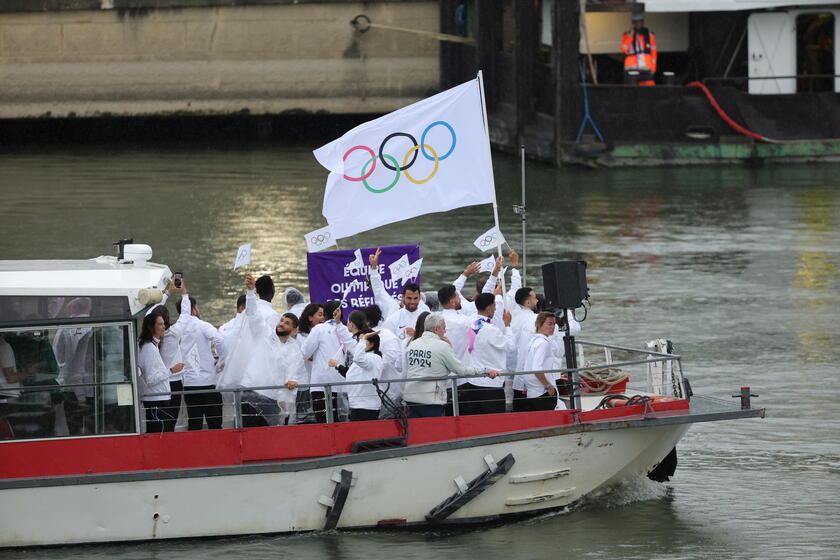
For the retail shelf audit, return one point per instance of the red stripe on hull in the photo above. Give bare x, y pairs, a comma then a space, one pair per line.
212, 448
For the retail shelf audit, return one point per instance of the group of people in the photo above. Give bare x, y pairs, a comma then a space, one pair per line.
375, 363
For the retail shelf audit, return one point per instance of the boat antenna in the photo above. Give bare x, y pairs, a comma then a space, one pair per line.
121, 247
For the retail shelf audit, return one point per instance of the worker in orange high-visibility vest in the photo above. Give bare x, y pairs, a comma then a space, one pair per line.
639, 48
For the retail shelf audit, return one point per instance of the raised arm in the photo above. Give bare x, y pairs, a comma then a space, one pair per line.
381, 296
180, 324
461, 281
515, 284
344, 335
164, 298
506, 337
186, 306
365, 359
490, 285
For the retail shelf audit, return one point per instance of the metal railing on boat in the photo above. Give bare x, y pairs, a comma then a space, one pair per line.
671, 380
677, 380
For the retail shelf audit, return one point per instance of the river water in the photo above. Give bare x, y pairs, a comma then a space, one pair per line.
739, 267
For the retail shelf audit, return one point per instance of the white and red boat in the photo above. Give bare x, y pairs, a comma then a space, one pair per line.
75, 466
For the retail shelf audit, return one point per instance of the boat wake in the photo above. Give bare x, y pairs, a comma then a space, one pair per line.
635, 490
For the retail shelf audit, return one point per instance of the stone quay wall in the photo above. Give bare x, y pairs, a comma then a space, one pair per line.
204, 58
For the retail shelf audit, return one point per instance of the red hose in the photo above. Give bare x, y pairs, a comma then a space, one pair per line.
735, 126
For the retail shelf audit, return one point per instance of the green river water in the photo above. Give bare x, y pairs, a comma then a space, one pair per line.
739, 267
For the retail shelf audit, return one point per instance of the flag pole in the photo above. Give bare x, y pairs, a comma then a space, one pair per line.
492, 177
524, 246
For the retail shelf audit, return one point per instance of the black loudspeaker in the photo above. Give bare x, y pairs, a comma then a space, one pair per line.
565, 284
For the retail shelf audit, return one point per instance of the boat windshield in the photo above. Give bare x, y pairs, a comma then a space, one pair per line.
68, 380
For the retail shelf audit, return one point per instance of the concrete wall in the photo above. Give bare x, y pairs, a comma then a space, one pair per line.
263, 59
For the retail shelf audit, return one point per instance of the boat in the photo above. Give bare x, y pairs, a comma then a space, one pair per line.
70, 477
737, 82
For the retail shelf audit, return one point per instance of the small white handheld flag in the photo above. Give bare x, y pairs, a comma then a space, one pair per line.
319, 239
490, 239
358, 263
488, 264
243, 256
398, 267
412, 271
350, 286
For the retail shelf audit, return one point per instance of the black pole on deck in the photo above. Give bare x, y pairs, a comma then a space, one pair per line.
571, 360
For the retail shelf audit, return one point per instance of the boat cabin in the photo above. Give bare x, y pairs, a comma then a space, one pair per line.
69, 329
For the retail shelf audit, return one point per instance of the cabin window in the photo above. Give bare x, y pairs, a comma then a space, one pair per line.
815, 64
69, 380
28, 310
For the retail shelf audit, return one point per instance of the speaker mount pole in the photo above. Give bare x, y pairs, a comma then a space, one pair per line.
571, 361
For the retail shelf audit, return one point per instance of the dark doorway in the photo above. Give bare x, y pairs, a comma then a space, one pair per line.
815, 51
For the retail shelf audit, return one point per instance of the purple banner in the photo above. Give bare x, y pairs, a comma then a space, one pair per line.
332, 272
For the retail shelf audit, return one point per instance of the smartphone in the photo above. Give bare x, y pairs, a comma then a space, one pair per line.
176, 277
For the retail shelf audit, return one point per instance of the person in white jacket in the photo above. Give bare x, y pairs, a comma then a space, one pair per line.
197, 342
322, 345
296, 373
487, 285
488, 345
400, 317
367, 365
432, 356
170, 352
540, 387
152, 374
255, 359
392, 350
264, 286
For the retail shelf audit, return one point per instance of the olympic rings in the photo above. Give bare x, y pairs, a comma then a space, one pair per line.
320, 238
488, 240
395, 168
423, 139
414, 151
372, 169
390, 162
382, 147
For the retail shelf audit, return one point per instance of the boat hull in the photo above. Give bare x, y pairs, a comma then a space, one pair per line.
552, 468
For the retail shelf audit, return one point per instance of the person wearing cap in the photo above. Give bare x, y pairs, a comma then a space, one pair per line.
639, 47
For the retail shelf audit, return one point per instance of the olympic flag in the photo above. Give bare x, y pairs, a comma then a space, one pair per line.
488, 264
243, 256
489, 240
431, 156
319, 239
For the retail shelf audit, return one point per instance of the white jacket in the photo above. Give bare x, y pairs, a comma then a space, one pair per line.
490, 350
322, 345
196, 341
365, 366
429, 356
152, 374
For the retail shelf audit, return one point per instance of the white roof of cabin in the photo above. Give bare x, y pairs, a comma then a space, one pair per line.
725, 5
102, 276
